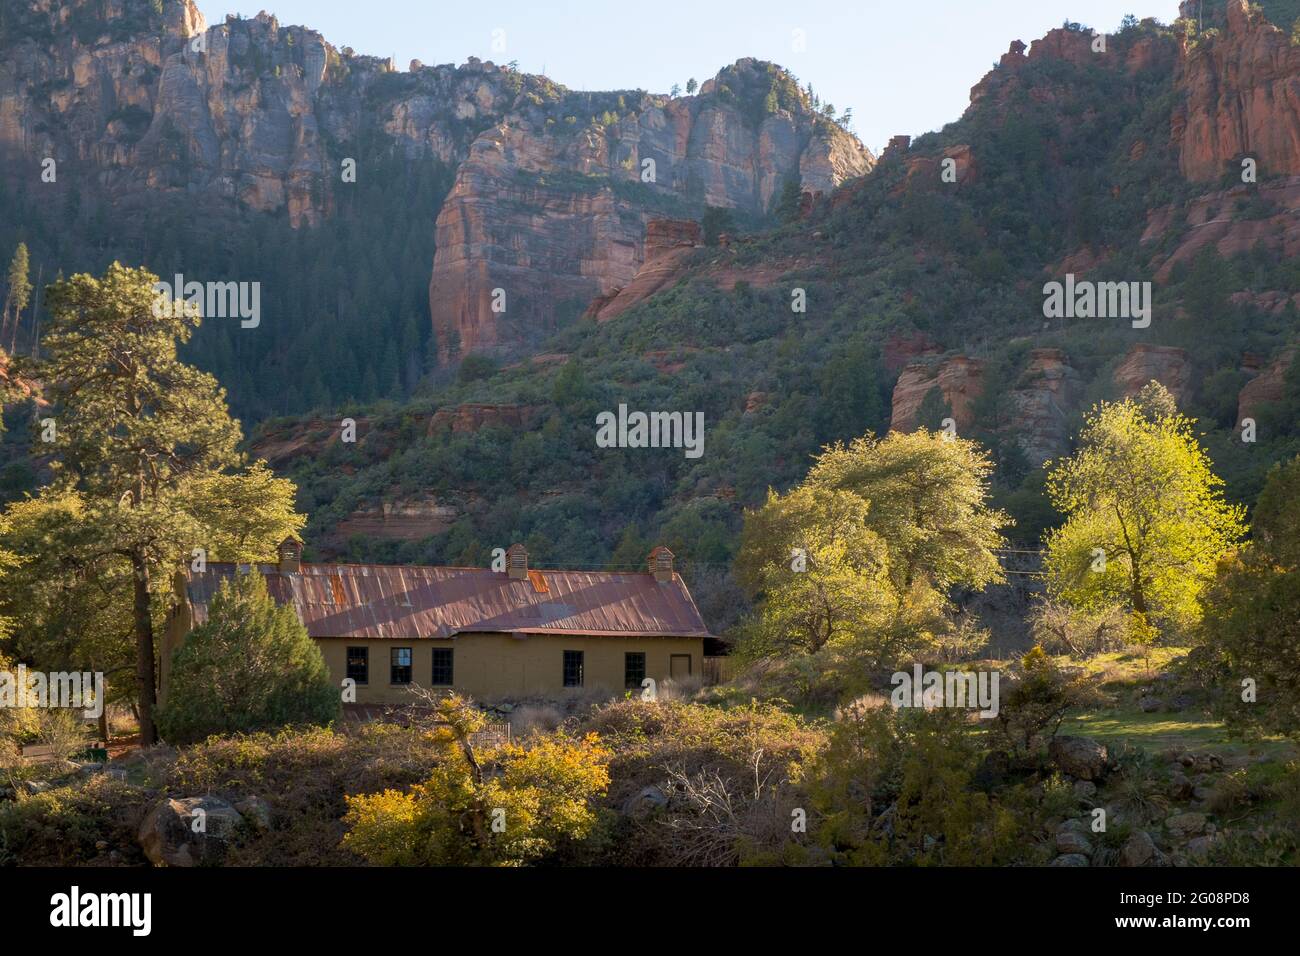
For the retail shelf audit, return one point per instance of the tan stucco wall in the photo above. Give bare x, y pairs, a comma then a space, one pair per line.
489, 666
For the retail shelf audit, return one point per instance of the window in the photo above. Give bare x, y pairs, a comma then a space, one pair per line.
401, 665
359, 664
633, 669
442, 669
573, 668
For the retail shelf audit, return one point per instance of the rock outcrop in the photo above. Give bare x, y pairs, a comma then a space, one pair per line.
1242, 90
668, 246
553, 190
547, 216
403, 519
959, 381
1044, 399
470, 417
1232, 221
903, 348
1143, 363
1267, 387
307, 437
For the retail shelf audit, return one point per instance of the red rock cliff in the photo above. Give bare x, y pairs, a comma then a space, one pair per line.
1242, 92
554, 214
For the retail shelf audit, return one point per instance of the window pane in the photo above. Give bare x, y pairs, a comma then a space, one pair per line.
442, 667
633, 669
401, 665
573, 668
359, 664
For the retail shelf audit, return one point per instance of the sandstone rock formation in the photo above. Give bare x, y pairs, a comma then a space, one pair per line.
1222, 220
1143, 363
1048, 392
553, 190
668, 245
546, 217
307, 437
1267, 387
403, 519
1242, 99
959, 380
470, 417
929, 169
903, 348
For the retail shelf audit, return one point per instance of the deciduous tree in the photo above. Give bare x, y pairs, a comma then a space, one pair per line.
1145, 516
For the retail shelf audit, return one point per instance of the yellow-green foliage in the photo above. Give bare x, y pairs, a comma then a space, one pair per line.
505, 806
1145, 516
851, 569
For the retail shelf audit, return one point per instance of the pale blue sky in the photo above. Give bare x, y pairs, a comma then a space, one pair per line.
903, 67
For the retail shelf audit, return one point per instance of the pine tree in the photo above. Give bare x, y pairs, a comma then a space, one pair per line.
147, 444
251, 666
18, 294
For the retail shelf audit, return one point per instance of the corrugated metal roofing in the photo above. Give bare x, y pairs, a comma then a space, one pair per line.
408, 603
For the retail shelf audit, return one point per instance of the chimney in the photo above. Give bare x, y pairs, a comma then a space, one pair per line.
661, 564
517, 562
290, 552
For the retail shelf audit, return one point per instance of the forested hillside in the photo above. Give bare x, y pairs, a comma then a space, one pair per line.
918, 291
922, 292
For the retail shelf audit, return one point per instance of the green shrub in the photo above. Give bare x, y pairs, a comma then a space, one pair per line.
250, 667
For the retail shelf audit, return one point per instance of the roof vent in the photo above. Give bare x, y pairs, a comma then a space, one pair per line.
661, 564
290, 555
517, 562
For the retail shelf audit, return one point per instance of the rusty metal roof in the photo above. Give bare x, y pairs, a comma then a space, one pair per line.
402, 602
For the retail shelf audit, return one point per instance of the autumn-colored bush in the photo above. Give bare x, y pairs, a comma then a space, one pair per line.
507, 805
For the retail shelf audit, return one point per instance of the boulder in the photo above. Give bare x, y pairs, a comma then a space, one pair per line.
188, 832
1071, 841
1180, 787
1080, 757
1138, 850
1184, 825
256, 811
1070, 859
644, 802
1149, 705
1085, 791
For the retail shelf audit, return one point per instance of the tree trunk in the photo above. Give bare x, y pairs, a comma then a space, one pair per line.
1139, 598
144, 663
